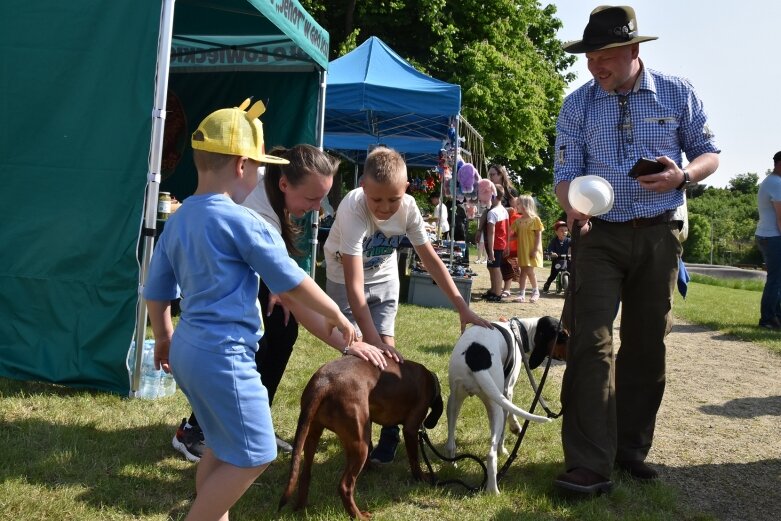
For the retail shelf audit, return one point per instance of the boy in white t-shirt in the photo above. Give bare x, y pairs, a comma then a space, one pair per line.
361, 261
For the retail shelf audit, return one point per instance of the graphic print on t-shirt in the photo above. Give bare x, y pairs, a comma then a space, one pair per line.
377, 248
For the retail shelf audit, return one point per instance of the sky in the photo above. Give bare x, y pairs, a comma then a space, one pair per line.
728, 50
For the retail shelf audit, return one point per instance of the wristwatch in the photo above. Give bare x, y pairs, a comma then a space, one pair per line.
686, 181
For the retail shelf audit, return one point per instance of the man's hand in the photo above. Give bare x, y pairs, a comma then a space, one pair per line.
575, 219
665, 181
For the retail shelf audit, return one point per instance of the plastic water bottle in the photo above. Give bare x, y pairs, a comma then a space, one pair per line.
167, 384
153, 383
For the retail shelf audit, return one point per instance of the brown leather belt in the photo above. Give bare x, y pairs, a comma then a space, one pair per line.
642, 222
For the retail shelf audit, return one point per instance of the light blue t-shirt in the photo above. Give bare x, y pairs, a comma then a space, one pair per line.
214, 250
769, 193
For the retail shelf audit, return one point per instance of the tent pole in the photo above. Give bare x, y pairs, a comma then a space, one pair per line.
453, 192
149, 229
320, 133
438, 214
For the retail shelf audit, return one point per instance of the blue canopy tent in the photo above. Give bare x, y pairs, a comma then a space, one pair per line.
377, 97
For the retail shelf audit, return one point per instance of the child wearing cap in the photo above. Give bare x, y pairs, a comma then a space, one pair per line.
558, 246
214, 249
361, 262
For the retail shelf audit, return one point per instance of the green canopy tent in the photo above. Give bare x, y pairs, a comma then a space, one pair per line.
80, 80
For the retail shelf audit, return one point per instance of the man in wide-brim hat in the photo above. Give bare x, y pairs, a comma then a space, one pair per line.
630, 253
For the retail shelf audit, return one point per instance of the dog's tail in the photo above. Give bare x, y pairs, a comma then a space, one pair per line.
488, 386
313, 394
436, 404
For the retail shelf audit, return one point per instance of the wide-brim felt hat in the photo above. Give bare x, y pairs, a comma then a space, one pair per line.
608, 26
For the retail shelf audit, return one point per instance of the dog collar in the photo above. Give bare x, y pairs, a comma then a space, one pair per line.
509, 363
524, 338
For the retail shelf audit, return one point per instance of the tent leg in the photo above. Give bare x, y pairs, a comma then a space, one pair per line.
315, 217
153, 180
453, 194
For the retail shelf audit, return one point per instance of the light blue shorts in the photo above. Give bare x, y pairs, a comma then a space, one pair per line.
381, 297
230, 402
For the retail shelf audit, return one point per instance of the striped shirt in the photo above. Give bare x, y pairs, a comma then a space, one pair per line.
604, 133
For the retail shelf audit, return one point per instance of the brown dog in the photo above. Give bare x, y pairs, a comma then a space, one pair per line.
346, 396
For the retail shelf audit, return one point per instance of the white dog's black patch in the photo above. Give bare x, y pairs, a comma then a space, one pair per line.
477, 357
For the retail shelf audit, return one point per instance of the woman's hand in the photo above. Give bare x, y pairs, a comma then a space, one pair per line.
374, 355
346, 328
273, 300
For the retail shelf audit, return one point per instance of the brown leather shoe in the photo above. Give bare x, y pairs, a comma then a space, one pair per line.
583, 481
638, 470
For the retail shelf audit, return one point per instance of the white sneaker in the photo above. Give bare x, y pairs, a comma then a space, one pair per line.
283, 446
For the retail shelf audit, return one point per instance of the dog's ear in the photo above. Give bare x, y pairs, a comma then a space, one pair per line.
436, 405
544, 337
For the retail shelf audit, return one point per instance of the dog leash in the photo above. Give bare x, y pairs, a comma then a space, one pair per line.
423, 438
537, 399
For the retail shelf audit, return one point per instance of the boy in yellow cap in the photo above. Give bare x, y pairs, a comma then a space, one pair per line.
214, 249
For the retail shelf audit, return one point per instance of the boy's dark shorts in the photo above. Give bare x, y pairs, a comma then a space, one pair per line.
498, 256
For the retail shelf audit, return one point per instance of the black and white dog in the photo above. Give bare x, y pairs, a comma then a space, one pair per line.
486, 362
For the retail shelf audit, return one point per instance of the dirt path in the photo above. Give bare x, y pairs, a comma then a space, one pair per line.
718, 434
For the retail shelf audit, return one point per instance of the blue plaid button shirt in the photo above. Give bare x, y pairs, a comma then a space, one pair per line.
596, 135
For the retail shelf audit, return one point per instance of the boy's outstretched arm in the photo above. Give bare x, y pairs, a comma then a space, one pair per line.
438, 271
318, 326
353, 282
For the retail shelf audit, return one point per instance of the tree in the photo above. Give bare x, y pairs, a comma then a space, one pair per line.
698, 244
503, 53
733, 216
745, 183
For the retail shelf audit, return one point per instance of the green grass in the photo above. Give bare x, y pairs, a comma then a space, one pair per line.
72, 454
716, 305
747, 284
